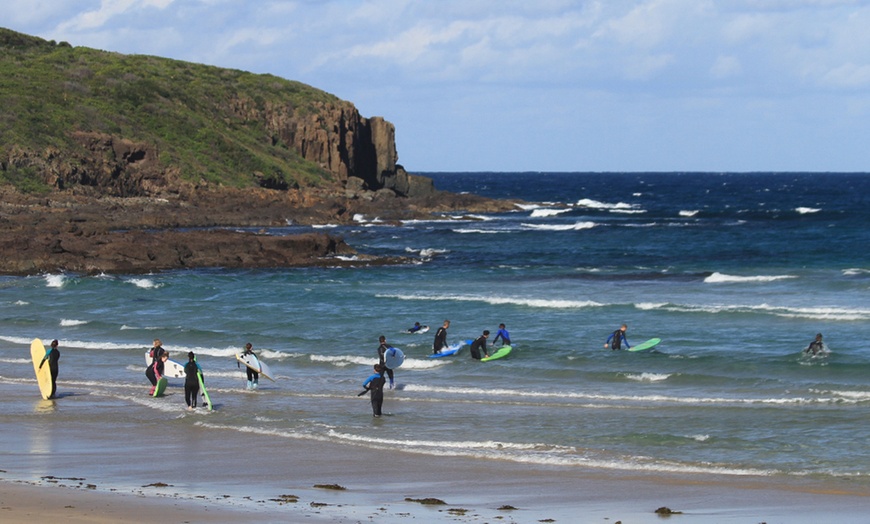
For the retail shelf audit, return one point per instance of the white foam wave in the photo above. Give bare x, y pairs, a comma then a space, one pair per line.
144, 283
595, 204
466, 231
855, 271
577, 226
55, 280
324, 226
814, 313
807, 210
648, 377
546, 212
68, 322
720, 278
356, 360
529, 302
21, 303
688, 213
652, 399
16, 360
629, 211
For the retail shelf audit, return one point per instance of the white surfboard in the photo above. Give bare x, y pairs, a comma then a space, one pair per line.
171, 368
257, 365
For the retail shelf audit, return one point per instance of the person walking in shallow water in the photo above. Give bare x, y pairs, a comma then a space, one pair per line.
616, 339
382, 351
253, 376
52, 357
375, 386
440, 338
817, 346
479, 345
503, 334
191, 380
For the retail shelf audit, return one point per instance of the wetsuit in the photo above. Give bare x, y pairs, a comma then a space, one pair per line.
375, 385
154, 373
416, 328
476, 346
253, 376
616, 339
382, 350
191, 383
505, 337
53, 357
815, 347
440, 340
156, 353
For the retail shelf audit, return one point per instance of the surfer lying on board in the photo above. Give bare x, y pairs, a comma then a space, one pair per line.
440, 338
617, 338
480, 344
253, 376
191, 381
503, 334
155, 370
417, 327
382, 350
375, 385
817, 346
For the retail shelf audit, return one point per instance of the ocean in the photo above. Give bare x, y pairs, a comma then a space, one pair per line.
736, 273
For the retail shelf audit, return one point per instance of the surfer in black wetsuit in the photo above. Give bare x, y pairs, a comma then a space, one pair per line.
156, 352
441, 338
382, 350
617, 338
253, 376
816, 346
375, 385
479, 344
155, 370
191, 381
52, 357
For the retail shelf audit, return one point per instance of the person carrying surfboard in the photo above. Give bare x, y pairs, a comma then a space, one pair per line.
382, 351
191, 381
155, 371
503, 334
480, 344
375, 385
616, 339
52, 356
440, 338
253, 376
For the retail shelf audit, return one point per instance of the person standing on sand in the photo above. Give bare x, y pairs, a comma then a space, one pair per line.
52, 357
253, 376
375, 385
191, 381
382, 351
480, 344
503, 334
617, 338
440, 338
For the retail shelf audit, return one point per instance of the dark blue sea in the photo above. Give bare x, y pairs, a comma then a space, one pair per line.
736, 273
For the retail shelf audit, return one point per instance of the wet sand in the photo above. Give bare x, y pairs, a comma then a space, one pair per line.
213, 475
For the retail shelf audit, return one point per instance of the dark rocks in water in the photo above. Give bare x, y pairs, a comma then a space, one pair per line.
429, 501
334, 487
664, 511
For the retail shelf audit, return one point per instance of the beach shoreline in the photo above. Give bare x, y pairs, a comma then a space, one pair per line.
299, 479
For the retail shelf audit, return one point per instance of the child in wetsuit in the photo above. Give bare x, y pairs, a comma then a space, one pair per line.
375, 385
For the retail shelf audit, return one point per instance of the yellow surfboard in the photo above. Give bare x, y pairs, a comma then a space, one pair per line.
43, 374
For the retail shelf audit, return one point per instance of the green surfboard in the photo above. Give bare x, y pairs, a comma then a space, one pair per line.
202, 389
646, 345
501, 353
161, 387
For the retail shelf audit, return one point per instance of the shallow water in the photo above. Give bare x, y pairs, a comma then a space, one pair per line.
736, 274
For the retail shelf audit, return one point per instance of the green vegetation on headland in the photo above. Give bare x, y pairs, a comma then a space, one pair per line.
204, 125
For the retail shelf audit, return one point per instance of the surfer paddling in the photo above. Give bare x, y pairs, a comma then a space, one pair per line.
616, 339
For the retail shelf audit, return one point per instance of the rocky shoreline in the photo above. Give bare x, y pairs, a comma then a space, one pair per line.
66, 232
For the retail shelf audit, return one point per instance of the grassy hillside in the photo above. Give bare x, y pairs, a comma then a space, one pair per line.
190, 112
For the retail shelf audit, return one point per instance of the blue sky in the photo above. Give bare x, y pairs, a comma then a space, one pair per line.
543, 85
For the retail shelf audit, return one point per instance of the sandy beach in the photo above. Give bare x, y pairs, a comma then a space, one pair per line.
72, 470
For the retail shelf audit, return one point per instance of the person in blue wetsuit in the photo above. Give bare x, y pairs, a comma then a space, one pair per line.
191, 381
478, 345
375, 386
382, 350
503, 334
616, 339
417, 327
440, 338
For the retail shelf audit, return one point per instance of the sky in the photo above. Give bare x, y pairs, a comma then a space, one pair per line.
541, 85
